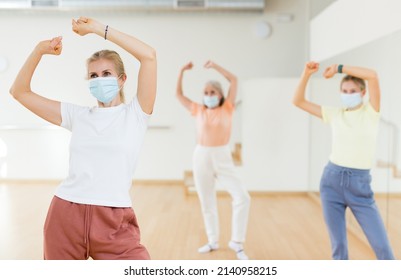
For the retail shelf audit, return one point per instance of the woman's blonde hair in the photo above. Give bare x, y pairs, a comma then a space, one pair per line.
219, 88
358, 81
113, 57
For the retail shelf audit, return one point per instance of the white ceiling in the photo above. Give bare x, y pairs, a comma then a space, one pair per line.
157, 5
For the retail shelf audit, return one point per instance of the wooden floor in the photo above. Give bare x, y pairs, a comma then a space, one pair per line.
281, 226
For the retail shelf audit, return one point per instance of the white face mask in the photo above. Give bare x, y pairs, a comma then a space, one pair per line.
351, 100
105, 89
211, 101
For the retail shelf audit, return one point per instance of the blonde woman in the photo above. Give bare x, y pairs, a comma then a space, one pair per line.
91, 214
346, 178
212, 158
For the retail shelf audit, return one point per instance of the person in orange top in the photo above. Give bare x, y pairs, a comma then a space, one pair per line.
212, 158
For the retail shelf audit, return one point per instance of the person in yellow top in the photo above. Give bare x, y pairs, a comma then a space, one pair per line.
212, 158
346, 178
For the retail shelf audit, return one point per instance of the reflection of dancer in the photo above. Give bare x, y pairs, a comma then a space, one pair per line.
212, 159
90, 214
346, 178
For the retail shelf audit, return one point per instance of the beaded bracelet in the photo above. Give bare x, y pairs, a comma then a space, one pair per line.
105, 32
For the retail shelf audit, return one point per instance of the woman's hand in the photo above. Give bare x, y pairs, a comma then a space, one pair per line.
53, 46
187, 66
84, 25
311, 67
209, 64
330, 71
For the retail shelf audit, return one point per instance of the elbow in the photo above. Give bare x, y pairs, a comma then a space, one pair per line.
178, 94
13, 92
151, 55
233, 79
298, 99
296, 102
299, 103
16, 93
148, 57
373, 76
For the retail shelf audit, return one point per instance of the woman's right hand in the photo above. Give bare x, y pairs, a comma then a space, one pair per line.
311, 67
53, 46
187, 66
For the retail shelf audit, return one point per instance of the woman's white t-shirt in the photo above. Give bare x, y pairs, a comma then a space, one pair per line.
104, 150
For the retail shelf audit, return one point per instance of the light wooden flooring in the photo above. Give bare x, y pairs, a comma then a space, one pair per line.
281, 226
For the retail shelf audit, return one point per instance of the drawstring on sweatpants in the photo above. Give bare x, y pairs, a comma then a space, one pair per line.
347, 173
87, 223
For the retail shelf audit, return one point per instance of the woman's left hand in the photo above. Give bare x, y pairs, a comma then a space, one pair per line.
209, 64
84, 25
330, 71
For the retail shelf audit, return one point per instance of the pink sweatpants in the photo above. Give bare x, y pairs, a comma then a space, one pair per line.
76, 231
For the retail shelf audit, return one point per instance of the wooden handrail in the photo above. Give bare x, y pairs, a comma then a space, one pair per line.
394, 168
392, 163
394, 148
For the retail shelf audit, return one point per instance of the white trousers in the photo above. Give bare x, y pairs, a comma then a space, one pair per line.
216, 163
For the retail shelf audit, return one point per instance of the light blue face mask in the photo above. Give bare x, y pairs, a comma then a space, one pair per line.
211, 101
351, 100
104, 89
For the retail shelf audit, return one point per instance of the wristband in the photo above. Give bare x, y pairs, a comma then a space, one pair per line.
340, 68
105, 32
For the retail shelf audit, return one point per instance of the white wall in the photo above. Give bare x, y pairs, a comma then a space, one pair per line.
35, 153
317, 6
275, 136
178, 37
348, 24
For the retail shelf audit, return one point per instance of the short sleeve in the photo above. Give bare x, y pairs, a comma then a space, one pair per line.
328, 113
136, 108
68, 113
195, 108
372, 111
227, 105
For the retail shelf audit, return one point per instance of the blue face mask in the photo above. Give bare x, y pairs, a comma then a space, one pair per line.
105, 89
211, 101
351, 100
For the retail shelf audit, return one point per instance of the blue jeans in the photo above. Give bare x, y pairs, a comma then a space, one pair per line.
342, 187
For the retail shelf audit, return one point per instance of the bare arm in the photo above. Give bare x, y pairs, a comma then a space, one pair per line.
299, 96
147, 77
179, 93
232, 91
21, 89
364, 73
